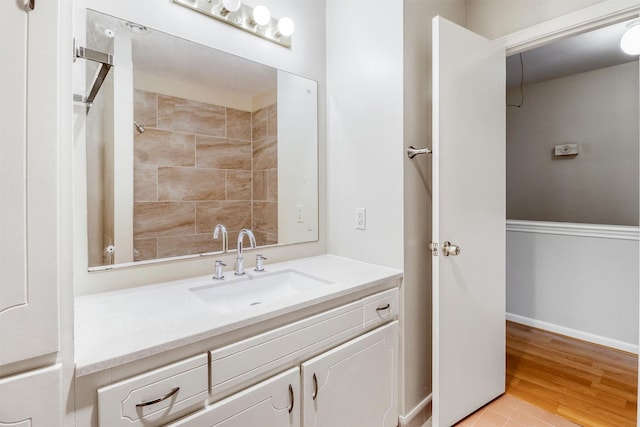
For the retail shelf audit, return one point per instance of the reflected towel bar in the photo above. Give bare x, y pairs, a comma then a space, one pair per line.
412, 151
105, 59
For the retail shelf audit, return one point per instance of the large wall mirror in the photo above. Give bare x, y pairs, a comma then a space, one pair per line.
182, 137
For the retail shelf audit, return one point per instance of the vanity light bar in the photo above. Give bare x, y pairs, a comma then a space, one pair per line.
256, 21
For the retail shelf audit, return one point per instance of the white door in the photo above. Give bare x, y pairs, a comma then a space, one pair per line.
469, 212
28, 180
354, 384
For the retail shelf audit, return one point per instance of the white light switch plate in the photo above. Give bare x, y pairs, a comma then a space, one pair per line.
361, 218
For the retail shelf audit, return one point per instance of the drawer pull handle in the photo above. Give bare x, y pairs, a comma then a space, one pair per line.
384, 307
158, 400
291, 398
315, 387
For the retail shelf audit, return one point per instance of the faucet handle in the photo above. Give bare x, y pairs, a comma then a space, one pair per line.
259, 264
219, 274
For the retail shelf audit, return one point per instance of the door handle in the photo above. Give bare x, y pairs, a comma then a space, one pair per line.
449, 249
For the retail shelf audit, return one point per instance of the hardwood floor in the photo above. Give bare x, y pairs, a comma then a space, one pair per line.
588, 384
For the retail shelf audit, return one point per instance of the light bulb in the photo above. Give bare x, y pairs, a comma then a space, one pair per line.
630, 41
228, 6
286, 26
261, 15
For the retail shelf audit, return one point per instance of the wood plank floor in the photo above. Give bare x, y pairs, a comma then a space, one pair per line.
586, 383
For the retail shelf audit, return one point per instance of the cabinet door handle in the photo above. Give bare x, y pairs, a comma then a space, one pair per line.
291, 398
384, 307
315, 386
158, 400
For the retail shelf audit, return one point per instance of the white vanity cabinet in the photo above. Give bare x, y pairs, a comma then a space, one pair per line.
29, 325
155, 397
342, 383
355, 384
273, 402
32, 399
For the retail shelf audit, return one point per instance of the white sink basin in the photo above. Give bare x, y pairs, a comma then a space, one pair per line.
263, 288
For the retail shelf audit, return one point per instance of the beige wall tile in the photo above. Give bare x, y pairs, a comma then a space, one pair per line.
163, 219
260, 185
145, 108
145, 249
188, 245
265, 152
190, 184
145, 180
164, 148
272, 185
183, 115
238, 124
238, 185
272, 120
222, 153
265, 217
235, 215
259, 124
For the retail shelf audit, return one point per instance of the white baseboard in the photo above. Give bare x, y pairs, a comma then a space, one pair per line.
574, 333
405, 420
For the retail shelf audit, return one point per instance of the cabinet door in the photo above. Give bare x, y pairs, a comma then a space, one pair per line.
271, 403
28, 180
31, 399
354, 384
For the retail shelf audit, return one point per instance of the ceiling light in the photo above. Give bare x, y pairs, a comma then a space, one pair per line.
229, 6
285, 27
630, 41
261, 15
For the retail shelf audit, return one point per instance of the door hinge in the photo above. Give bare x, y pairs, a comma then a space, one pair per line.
433, 247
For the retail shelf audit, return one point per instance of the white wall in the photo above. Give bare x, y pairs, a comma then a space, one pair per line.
598, 110
575, 279
306, 57
364, 138
495, 18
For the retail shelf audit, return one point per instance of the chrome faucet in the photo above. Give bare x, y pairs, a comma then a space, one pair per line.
239, 259
225, 236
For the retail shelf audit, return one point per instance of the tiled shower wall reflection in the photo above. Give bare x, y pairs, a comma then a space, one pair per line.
197, 165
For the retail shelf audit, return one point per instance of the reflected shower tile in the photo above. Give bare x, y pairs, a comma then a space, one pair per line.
144, 249
190, 184
238, 124
187, 245
272, 185
145, 108
222, 153
272, 239
165, 148
260, 185
265, 152
184, 115
272, 120
145, 183
259, 124
235, 215
265, 216
238, 185
155, 219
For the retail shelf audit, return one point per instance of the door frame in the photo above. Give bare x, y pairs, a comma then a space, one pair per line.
587, 19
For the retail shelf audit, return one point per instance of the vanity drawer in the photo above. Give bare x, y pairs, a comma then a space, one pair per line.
155, 397
381, 308
242, 363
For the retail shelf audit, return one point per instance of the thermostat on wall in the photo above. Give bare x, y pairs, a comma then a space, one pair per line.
566, 150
